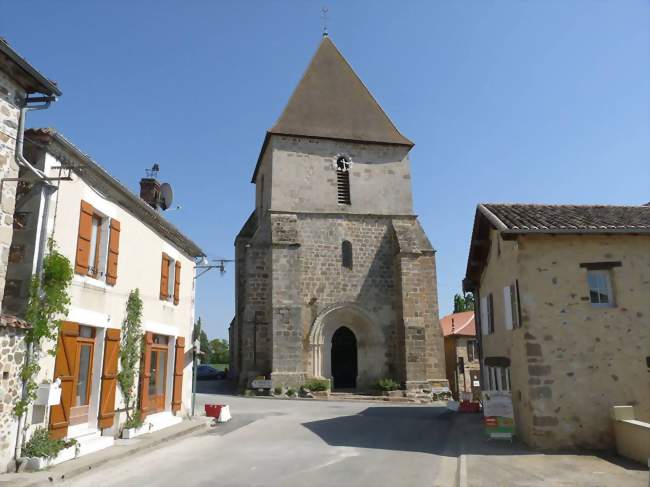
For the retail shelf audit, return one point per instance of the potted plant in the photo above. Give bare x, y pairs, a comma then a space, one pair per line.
132, 426
389, 387
41, 450
317, 388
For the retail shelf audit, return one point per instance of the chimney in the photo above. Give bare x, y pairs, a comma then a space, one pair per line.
150, 187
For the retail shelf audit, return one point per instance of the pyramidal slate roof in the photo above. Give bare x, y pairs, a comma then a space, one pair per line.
331, 102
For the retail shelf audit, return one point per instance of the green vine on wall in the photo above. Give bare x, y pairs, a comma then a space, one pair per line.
130, 350
48, 301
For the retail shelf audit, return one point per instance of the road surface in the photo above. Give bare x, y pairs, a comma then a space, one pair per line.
294, 443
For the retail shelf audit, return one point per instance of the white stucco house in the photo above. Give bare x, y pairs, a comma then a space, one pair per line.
116, 242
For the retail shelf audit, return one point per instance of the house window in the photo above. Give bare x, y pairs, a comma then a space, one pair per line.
471, 350
346, 254
498, 378
343, 179
600, 288
171, 273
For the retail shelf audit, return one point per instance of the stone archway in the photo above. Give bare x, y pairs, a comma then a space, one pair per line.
370, 342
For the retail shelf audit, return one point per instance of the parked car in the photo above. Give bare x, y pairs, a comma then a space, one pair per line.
208, 372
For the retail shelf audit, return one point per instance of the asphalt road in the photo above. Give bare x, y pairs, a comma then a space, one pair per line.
273, 442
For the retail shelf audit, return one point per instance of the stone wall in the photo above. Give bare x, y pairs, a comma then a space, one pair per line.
304, 177
570, 361
12, 354
10, 93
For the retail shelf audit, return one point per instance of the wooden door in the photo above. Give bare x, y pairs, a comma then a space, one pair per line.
157, 379
83, 374
64, 369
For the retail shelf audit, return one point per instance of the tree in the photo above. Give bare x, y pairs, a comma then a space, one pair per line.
463, 303
219, 351
130, 351
203, 340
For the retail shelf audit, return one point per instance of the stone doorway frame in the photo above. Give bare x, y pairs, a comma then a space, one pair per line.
370, 340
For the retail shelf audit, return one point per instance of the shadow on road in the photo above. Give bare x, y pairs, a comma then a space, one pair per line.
413, 429
432, 430
215, 387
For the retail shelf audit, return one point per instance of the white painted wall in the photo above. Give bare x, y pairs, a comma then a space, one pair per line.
94, 303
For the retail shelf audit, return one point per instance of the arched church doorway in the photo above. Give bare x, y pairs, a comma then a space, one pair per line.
344, 359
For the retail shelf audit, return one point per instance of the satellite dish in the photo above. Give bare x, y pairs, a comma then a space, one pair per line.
166, 196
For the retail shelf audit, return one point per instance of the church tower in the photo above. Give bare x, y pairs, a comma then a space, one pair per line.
335, 277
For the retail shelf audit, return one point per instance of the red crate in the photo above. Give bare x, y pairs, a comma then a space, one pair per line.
213, 410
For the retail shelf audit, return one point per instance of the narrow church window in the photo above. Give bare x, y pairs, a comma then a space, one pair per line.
343, 179
346, 254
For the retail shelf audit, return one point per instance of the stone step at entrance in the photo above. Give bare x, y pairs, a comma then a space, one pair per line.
360, 396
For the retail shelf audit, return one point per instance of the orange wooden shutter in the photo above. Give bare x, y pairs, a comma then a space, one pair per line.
177, 282
164, 277
145, 373
109, 378
64, 368
179, 365
83, 238
113, 252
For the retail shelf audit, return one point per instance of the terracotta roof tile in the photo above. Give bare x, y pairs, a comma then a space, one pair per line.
462, 324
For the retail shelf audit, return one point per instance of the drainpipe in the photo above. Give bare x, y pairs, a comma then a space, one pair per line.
46, 190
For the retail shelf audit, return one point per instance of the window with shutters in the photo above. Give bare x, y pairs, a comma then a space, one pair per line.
170, 279
514, 305
98, 245
343, 179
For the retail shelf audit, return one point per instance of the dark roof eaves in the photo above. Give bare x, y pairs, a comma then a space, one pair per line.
48, 87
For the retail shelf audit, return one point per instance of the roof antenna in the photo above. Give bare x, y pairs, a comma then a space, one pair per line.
323, 17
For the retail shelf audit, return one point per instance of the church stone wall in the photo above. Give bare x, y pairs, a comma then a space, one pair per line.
370, 283
304, 177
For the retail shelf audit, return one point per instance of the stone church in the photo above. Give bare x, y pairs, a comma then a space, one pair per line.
335, 277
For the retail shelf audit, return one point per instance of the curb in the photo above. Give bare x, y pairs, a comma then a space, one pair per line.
76, 470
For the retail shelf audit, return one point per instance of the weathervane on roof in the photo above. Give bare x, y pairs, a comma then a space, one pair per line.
323, 17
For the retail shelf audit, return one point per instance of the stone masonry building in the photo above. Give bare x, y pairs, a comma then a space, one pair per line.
19, 84
563, 295
335, 277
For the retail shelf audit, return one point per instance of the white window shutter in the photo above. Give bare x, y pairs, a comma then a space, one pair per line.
484, 316
507, 307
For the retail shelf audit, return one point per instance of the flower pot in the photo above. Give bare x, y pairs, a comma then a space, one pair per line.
37, 463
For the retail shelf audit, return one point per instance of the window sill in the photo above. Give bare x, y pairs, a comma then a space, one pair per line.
168, 304
91, 282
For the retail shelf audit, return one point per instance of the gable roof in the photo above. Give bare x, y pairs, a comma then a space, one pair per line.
98, 177
517, 218
462, 324
511, 220
331, 102
24, 73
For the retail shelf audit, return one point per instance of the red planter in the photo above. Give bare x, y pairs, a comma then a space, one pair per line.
213, 410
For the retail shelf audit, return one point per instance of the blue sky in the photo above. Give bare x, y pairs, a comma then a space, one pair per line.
507, 101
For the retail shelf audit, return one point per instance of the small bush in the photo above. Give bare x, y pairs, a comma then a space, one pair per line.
249, 393
277, 390
317, 385
40, 445
134, 421
387, 384
291, 392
